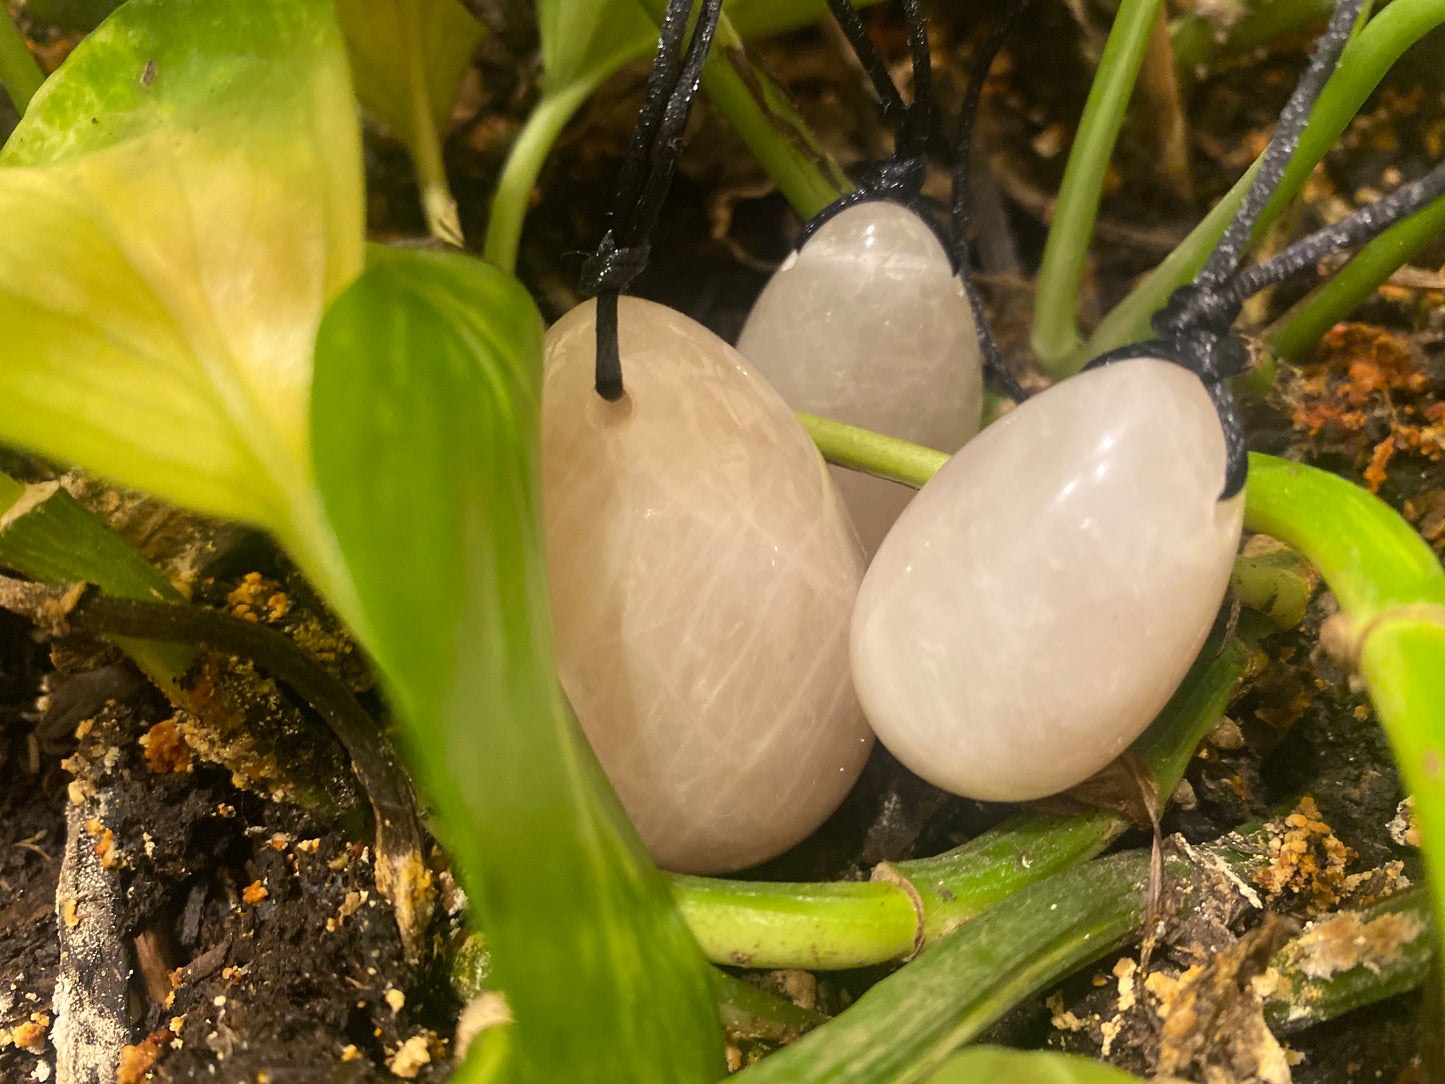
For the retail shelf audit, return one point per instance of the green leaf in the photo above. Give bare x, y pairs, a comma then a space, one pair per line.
996, 1065
425, 427
407, 59
585, 41
181, 201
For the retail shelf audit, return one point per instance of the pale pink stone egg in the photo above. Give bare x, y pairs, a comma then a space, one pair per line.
702, 572
1044, 594
867, 324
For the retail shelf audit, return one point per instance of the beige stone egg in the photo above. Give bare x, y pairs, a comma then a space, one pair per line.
867, 324
702, 571
1041, 598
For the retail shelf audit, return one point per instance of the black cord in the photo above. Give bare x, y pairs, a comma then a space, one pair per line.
1232, 245
918, 121
646, 174
895, 110
993, 358
1363, 225
899, 177
1198, 320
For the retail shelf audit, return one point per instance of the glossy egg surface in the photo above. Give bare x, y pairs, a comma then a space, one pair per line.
1044, 594
868, 324
702, 572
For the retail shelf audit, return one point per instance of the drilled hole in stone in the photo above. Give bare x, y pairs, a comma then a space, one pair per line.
604, 415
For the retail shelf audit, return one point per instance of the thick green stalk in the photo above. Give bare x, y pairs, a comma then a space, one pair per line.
1278, 585
904, 1027
1367, 58
1302, 326
818, 927
1055, 332
873, 453
524, 162
19, 70
1351, 959
438, 205
750, 1013
848, 924
1391, 590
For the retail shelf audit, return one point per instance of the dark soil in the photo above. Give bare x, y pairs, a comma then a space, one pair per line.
257, 945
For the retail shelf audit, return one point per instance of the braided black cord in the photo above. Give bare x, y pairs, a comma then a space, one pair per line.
1197, 323
899, 177
1363, 225
917, 125
646, 174
1198, 319
993, 358
1231, 247
895, 111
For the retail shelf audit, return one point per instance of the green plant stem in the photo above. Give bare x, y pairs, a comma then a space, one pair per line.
766, 121
1351, 959
1373, 561
49, 536
910, 1022
750, 1013
1197, 39
905, 1026
1367, 58
438, 204
1302, 326
1278, 585
19, 70
848, 924
818, 927
873, 453
1391, 589
519, 176
1055, 332
745, 1011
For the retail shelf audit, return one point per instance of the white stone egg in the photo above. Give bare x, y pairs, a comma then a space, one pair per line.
1044, 594
867, 324
702, 572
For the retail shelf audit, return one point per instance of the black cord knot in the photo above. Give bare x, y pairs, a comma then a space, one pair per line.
1195, 308
613, 267
897, 179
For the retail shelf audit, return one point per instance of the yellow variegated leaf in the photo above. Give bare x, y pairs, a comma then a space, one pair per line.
181, 202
